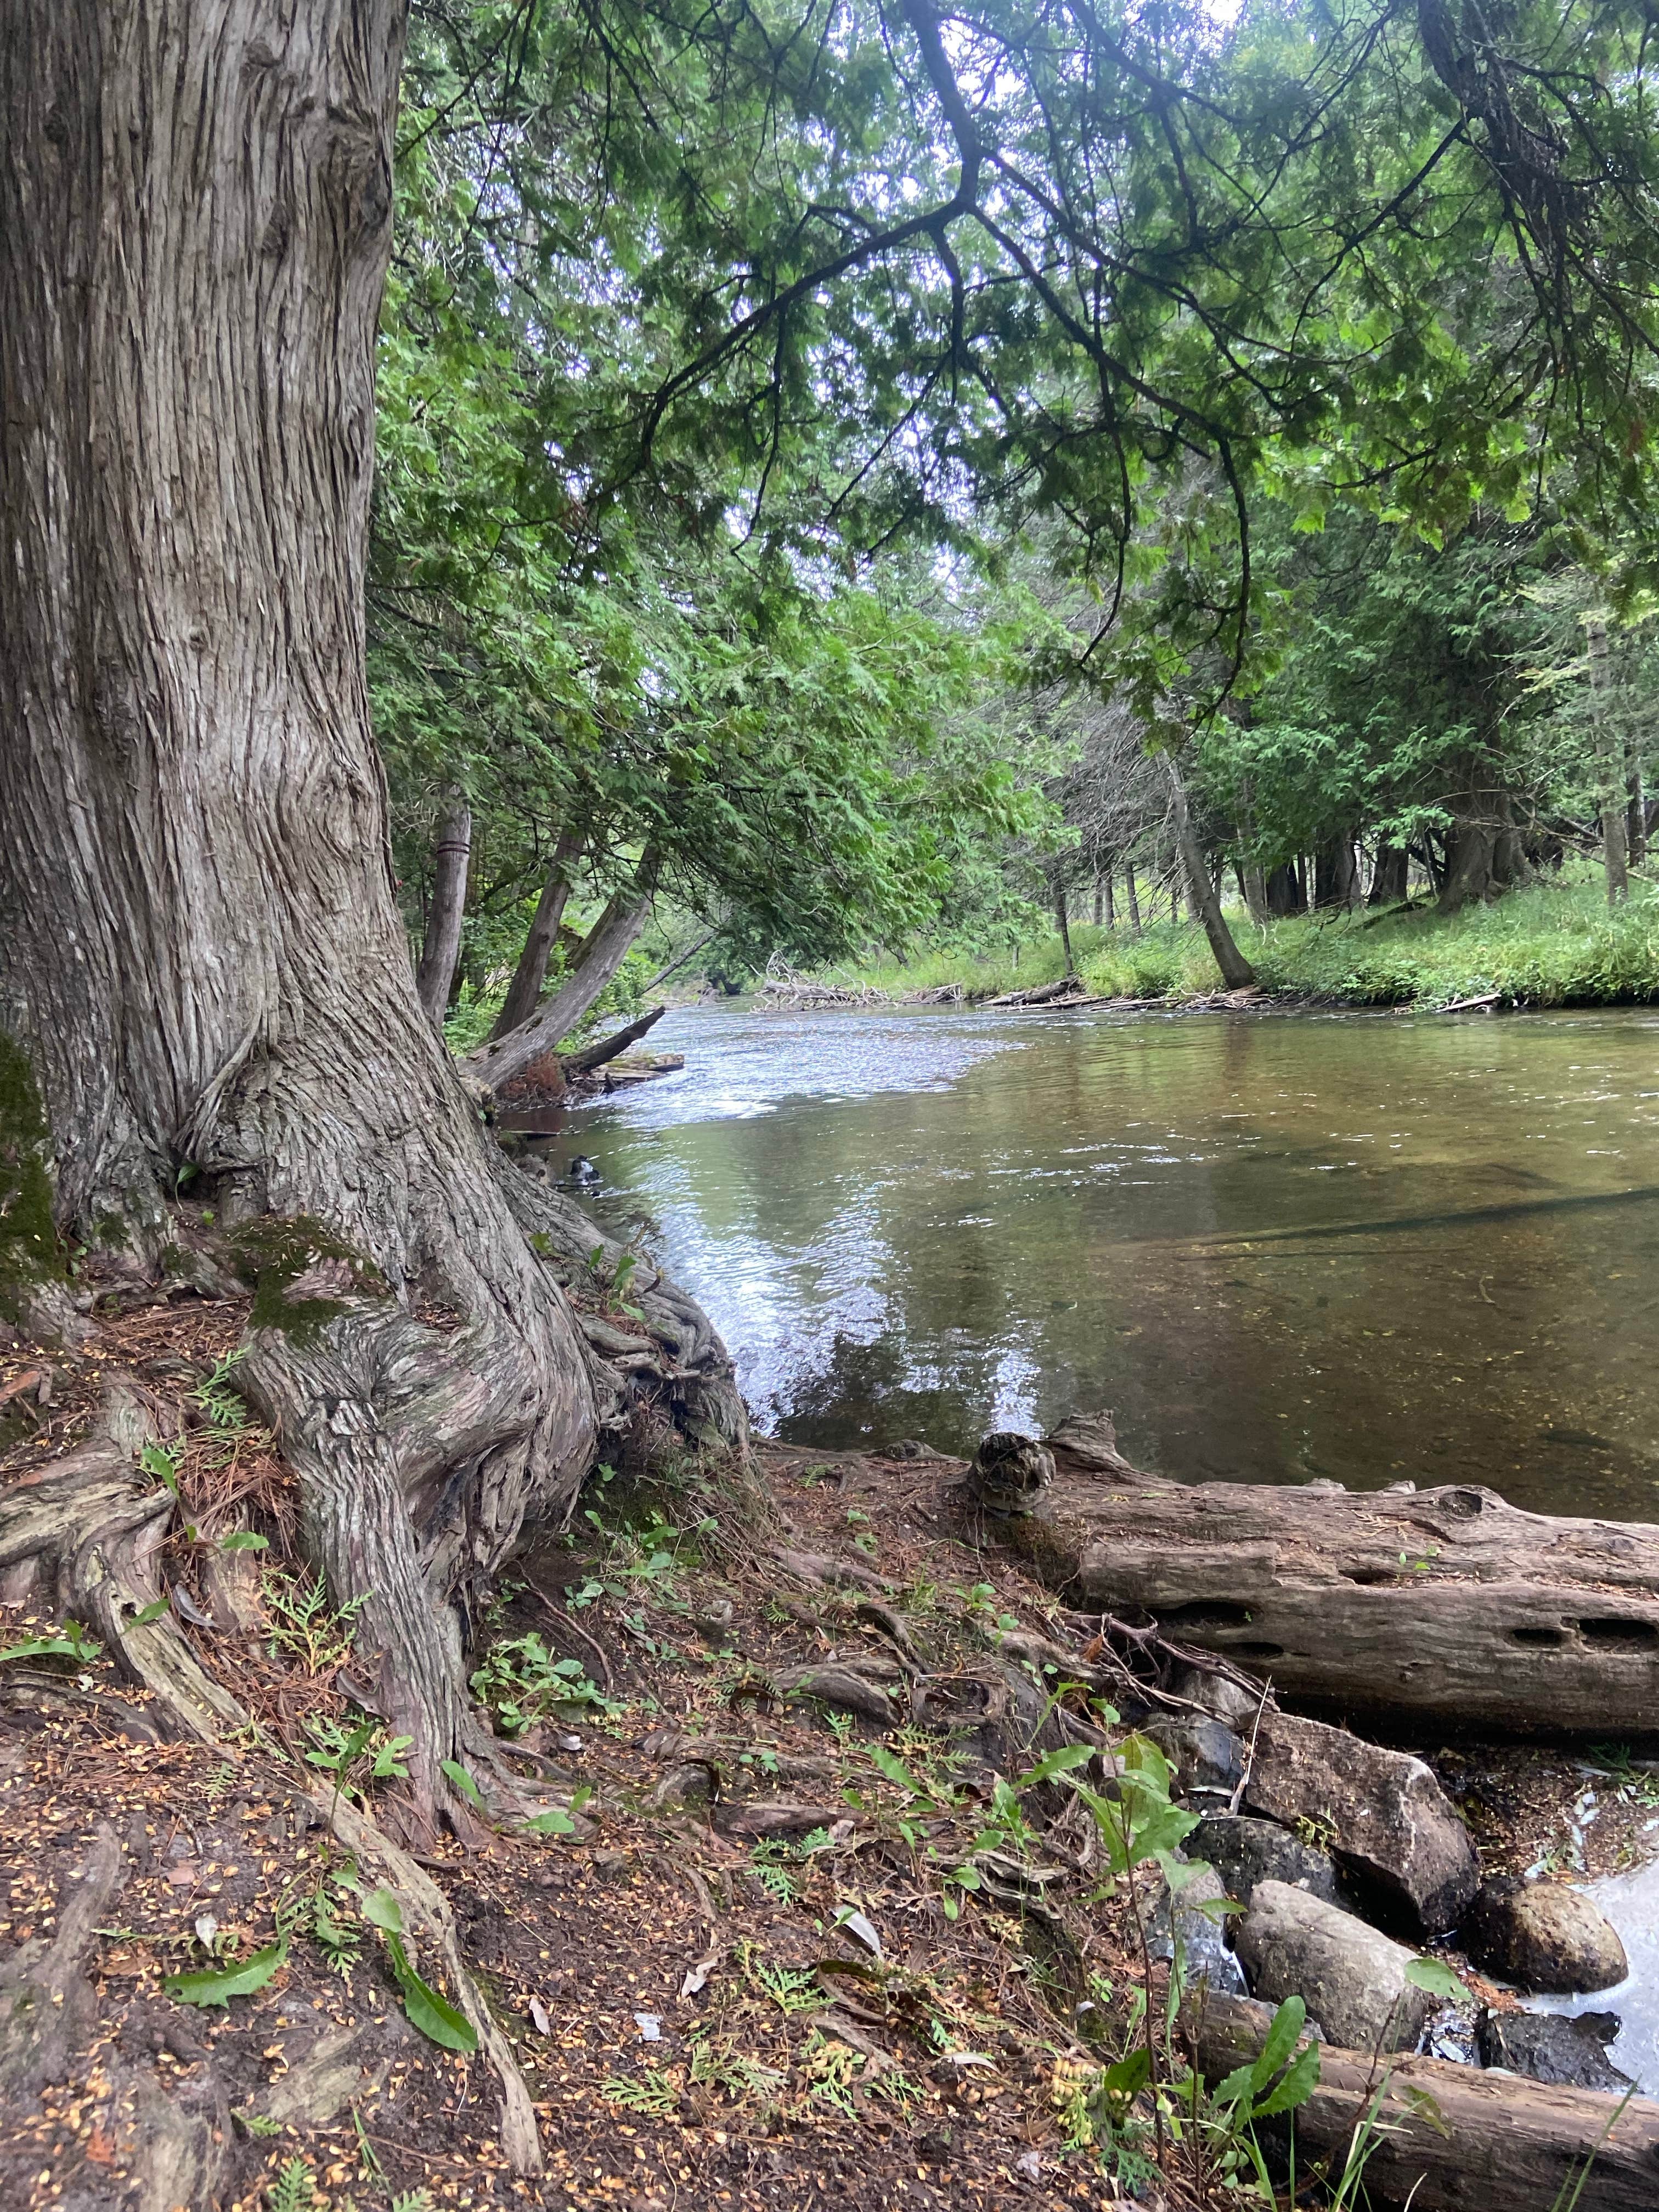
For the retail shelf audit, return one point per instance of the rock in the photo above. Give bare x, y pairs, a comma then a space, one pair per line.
1205, 1954
1543, 1935
1245, 1851
1386, 1820
1569, 2054
1218, 1694
1208, 1758
1350, 1975
1010, 1474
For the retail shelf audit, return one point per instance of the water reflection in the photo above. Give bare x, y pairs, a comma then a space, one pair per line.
1365, 1247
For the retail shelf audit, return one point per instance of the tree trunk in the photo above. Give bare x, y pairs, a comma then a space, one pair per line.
1134, 903
452, 856
1253, 885
604, 949
200, 953
1237, 972
1285, 893
1062, 923
530, 973
596, 1056
1611, 794
1100, 900
1483, 852
1111, 908
1636, 812
1336, 877
1389, 876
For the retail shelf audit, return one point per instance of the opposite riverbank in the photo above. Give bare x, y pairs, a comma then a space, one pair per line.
1551, 945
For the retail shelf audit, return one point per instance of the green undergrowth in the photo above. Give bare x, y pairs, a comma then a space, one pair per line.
1555, 944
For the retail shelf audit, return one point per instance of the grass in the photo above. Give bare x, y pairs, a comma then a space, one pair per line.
1555, 944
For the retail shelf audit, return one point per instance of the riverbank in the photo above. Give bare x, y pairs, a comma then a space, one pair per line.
1551, 945
814, 1918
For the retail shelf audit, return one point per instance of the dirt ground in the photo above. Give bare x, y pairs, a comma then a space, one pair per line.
746, 1978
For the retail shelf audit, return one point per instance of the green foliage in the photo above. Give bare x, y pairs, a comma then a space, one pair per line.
426, 2008
520, 1682
69, 1642
306, 1630
292, 2189
217, 1985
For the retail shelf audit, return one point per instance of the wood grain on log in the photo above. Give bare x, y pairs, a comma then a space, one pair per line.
1486, 2140
1446, 1603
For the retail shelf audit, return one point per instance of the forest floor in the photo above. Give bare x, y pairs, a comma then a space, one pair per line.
747, 1976
1553, 944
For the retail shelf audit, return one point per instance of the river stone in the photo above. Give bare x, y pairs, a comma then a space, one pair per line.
1218, 1695
1543, 1935
1569, 2054
1209, 1758
1388, 1820
1350, 1975
1245, 1851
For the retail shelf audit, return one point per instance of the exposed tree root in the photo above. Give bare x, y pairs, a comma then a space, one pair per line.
89, 1530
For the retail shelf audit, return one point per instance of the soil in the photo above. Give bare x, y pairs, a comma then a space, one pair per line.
688, 1977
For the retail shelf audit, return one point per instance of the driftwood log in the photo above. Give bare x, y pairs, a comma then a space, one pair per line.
1487, 2140
1448, 1604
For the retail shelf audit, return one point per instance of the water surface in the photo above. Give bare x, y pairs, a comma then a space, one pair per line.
1368, 1247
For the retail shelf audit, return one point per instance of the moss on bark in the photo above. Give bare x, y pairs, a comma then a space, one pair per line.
29, 1253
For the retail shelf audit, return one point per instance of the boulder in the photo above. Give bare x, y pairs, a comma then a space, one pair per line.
1209, 1758
1569, 2054
1245, 1851
1543, 1935
1351, 1976
1386, 1818
1218, 1694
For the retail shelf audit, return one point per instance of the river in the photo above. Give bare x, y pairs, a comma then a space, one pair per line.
1371, 1247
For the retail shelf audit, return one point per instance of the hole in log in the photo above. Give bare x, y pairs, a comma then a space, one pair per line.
1546, 1636
1367, 1576
1464, 1504
1616, 1635
1258, 1651
1207, 1613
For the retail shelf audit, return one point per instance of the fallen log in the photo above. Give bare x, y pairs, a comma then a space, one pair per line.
1452, 2138
595, 1055
1043, 994
1448, 1604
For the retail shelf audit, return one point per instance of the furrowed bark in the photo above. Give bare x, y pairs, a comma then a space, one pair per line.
442, 948
603, 949
200, 953
530, 973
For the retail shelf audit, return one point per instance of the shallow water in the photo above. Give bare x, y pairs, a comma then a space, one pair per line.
1631, 1902
1368, 1247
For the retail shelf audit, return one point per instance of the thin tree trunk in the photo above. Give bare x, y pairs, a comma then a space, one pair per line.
596, 1056
1237, 972
603, 950
1253, 884
1062, 922
1611, 795
1134, 903
1100, 901
1111, 910
530, 973
1636, 812
452, 857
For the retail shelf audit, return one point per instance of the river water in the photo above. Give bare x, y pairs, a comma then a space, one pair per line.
1369, 1247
